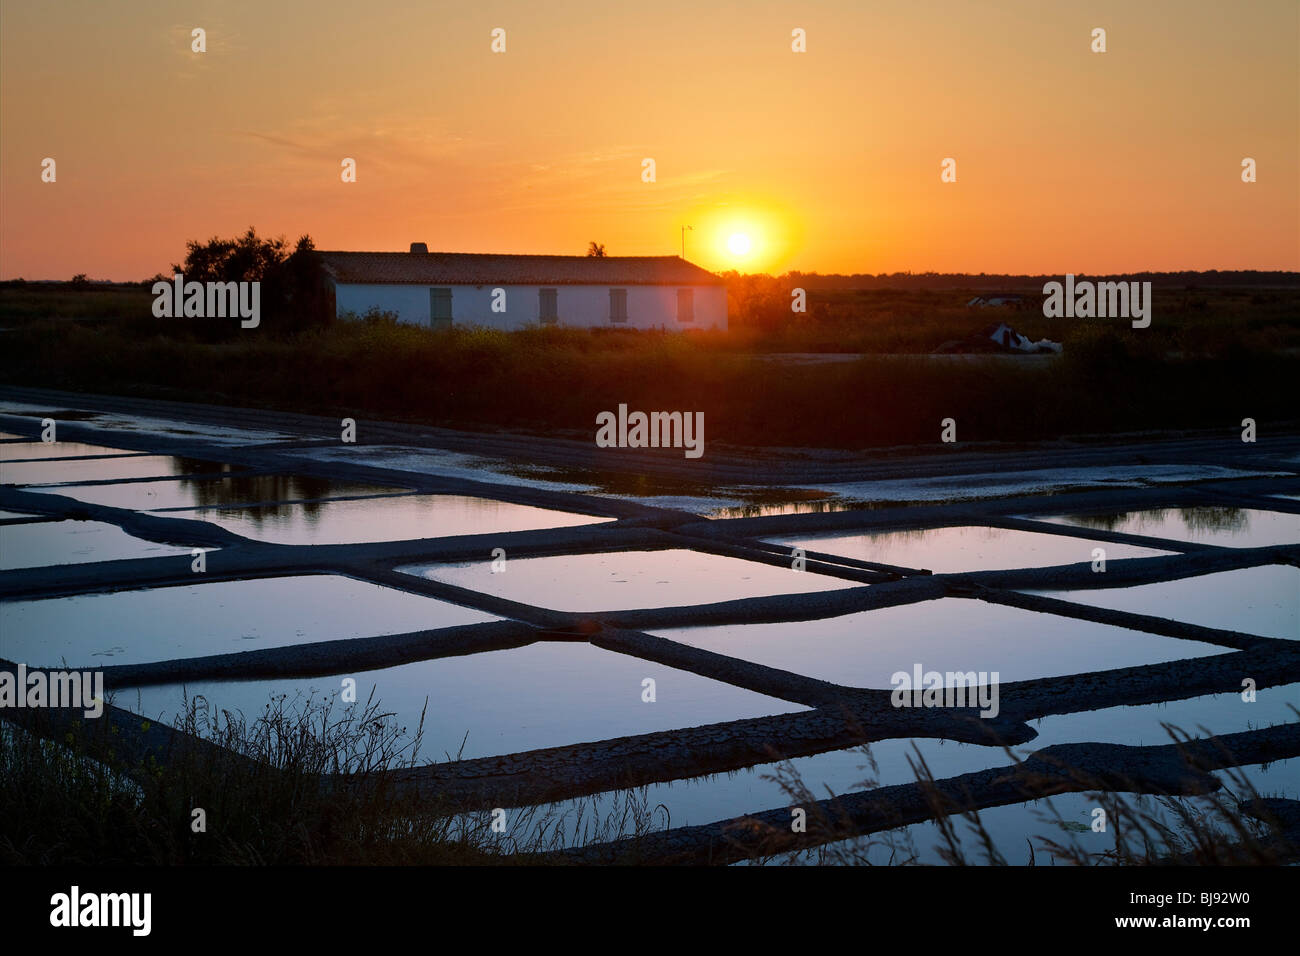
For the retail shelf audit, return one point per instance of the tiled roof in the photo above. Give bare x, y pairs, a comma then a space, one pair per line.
469, 268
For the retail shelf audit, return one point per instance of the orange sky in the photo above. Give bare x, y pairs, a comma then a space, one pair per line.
1067, 160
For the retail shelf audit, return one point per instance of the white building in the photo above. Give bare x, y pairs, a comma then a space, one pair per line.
438, 289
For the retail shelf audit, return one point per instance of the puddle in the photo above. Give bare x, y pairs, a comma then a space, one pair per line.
138, 424
386, 519
975, 548
541, 695
951, 634
1227, 527
15, 514
46, 543
714, 509
450, 464
186, 493
681, 494
221, 617
722, 796
1263, 600
57, 449
627, 579
1006, 484
104, 469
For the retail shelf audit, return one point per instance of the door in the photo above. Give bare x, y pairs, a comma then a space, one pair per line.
440, 308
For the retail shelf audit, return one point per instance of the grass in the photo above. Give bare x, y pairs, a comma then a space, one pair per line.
26, 302
1198, 366
1232, 826
267, 794
269, 797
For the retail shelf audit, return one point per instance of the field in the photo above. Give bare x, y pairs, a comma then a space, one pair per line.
1209, 359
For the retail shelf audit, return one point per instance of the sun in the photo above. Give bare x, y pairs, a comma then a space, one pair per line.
738, 244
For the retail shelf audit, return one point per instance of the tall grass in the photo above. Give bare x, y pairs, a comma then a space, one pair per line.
1235, 825
306, 782
555, 381
309, 782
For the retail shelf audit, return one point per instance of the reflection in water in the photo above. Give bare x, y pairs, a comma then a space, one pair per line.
241, 489
628, 579
783, 506
45, 543
499, 702
231, 489
19, 450
199, 466
62, 470
757, 500
387, 519
721, 796
218, 617
957, 635
1232, 527
962, 548
1263, 600
1205, 518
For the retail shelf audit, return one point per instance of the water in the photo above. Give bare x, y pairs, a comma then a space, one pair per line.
704, 800
627, 579
1227, 527
951, 634
12, 451
554, 694
541, 695
185, 493
143, 425
966, 548
103, 469
44, 543
385, 519
219, 617
1263, 600
1066, 820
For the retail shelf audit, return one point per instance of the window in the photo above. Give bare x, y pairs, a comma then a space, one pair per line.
547, 306
439, 308
685, 305
618, 305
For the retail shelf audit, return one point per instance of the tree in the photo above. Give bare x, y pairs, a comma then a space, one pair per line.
249, 258
293, 287
596, 249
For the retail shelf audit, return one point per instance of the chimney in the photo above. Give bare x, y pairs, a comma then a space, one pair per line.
420, 247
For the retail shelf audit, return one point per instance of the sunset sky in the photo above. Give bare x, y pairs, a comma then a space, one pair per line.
829, 160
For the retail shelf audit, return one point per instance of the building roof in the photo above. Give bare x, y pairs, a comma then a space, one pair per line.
471, 268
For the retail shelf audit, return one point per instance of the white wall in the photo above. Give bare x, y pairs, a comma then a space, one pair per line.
648, 306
